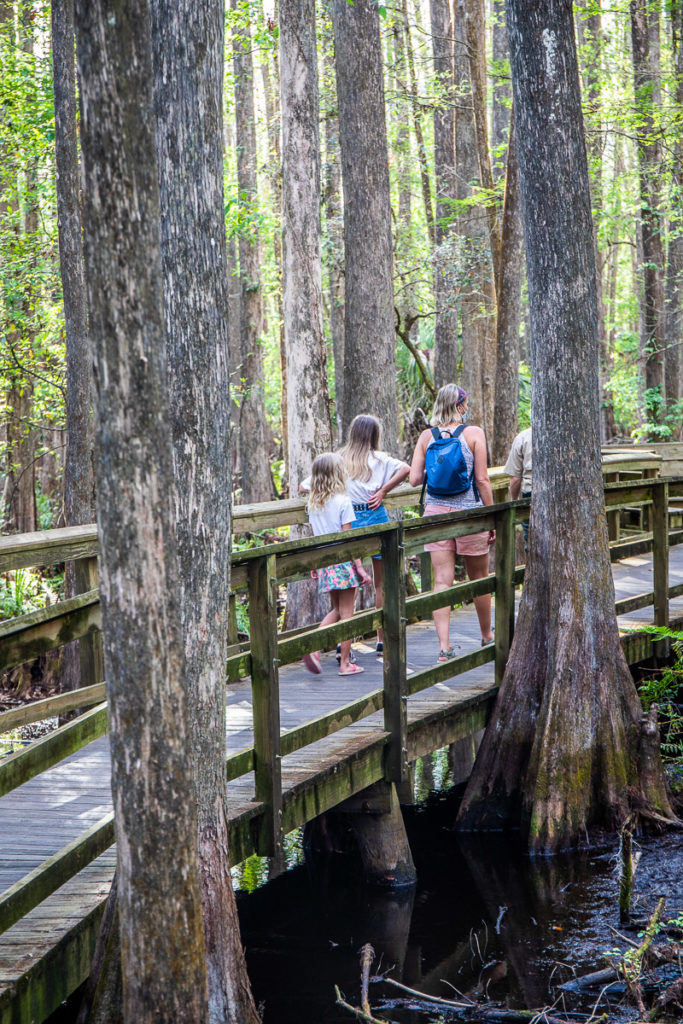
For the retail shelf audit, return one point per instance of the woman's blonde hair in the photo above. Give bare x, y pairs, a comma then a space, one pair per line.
327, 479
448, 398
364, 437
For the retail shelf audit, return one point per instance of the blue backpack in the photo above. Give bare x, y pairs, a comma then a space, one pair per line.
445, 467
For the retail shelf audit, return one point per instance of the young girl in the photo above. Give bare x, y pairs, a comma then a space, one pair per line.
329, 511
370, 474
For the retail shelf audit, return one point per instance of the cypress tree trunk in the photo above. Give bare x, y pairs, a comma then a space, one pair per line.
446, 320
162, 941
674, 263
308, 427
187, 41
509, 311
334, 248
501, 92
477, 301
652, 264
369, 365
561, 751
257, 484
78, 477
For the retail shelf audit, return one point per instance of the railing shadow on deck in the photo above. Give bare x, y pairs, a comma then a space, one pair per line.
260, 571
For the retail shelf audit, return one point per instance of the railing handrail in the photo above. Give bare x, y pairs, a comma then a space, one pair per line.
69, 543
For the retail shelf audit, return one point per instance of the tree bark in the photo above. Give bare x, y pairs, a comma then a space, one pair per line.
560, 753
475, 28
334, 249
308, 427
411, 89
271, 97
162, 941
501, 92
187, 46
477, 302
79, 506
369, 363
445, 288
509, 311
257, 484
674, 263
649, 162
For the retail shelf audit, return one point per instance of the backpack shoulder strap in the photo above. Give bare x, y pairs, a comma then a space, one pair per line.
436, 433
458, 430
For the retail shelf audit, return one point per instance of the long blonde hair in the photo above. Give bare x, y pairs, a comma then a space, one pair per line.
364, 437
445, 410
327, 479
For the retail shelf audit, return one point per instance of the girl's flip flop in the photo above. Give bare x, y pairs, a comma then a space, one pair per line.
353, 671
312, 663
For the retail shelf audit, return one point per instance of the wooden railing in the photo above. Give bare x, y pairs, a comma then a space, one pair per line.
259, 571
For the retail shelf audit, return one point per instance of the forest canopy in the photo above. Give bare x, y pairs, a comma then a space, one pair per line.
446, 109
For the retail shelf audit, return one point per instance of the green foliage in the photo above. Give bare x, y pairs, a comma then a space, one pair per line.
524, 400
25, 590
665, 688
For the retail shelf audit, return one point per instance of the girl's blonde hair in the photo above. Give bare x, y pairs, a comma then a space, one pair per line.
327, 479
445, 411
364, 437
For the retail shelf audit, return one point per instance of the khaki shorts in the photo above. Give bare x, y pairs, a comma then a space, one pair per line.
472, 544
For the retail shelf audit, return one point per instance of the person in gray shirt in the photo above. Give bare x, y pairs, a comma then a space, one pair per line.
518, 468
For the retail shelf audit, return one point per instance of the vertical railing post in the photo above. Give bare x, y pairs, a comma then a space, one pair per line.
90, 653
613, 525
426, 572
395, 677
660, 557
505, 588
233, 631
265, 688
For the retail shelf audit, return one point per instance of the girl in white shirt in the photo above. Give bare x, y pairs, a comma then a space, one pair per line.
370, 475
329, 511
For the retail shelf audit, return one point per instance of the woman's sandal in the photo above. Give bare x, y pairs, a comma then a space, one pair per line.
446, 655
312, 663
353, 671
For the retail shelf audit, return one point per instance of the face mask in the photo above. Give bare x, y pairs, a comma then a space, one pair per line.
465, 417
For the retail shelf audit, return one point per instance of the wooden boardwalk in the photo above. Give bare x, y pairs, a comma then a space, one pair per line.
40, 817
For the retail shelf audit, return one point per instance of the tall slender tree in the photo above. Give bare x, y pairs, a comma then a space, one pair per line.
257, 484
78, 473
446, 322
561, 752
162, 939
309, 428
187, 48
650, 169
369, 364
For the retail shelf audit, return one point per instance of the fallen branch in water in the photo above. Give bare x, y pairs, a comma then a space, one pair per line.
355, 1010
480, 1012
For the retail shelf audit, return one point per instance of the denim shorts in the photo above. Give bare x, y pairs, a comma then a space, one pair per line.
370, 517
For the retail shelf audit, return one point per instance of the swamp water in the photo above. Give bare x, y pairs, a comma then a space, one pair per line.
483, 917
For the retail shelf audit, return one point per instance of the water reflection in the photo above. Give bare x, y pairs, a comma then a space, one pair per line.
483, 917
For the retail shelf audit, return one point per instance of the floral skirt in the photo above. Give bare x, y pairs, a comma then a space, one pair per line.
337, 577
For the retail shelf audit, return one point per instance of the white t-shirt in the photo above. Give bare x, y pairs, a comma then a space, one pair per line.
382, 468
333, 516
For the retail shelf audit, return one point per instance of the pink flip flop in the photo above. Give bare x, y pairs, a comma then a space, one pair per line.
353, 671
312, 663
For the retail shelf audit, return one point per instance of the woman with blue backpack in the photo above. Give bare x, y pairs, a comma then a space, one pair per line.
450, 461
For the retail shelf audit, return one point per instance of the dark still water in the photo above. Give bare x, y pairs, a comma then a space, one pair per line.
482, 917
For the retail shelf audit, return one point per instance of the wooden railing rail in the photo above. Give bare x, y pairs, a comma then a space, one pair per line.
262, 570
